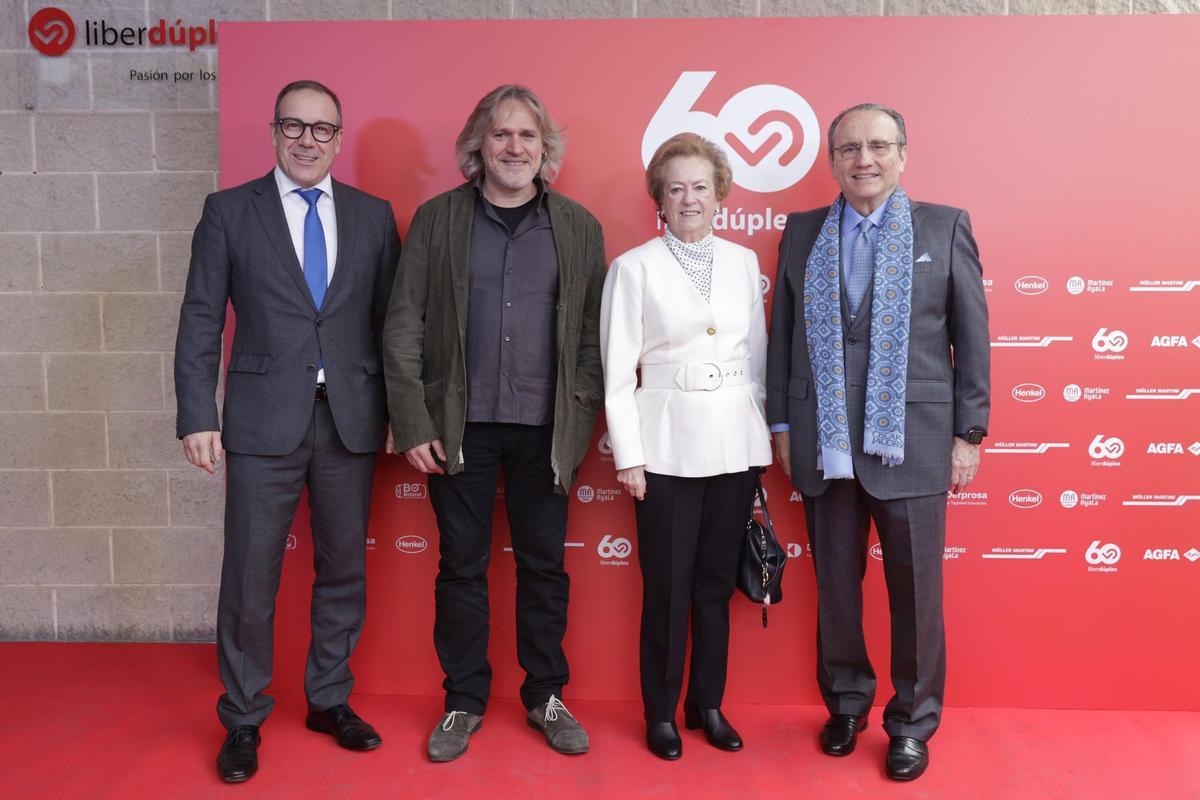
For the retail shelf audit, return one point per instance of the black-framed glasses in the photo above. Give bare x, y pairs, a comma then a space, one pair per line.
293, 129
876, 148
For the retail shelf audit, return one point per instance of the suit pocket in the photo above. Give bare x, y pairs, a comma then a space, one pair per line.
928, 392
372, 365
926, 266
245, 362
798, 388
434, 395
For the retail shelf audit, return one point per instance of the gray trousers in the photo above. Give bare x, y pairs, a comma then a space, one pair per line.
912, 534
262, 494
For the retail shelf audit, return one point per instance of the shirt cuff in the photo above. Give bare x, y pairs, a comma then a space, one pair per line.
780, 427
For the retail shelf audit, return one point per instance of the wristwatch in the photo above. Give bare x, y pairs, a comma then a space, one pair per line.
974, 435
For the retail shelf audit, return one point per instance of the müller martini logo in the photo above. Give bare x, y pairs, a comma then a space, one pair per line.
52, 32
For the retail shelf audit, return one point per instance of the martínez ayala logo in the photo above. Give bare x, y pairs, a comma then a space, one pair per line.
52, 32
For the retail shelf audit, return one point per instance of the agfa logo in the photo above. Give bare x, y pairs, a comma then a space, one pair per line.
1192, 555
52, 31
1107, 554
1028, 392
411, 544
770, 133
1031, 284
1171, 341
1110, 448
795, 549
1160, 554
1025, 498
1106, 341
1194, 448
585, 493
614, 547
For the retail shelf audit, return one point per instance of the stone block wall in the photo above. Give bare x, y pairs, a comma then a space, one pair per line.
105, 532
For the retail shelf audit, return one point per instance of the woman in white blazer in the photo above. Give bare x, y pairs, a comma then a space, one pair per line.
683, 339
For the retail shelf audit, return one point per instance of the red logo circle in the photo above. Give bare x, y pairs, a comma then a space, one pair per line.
52, 31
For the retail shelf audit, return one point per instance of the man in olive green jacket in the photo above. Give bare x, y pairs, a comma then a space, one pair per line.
492, 362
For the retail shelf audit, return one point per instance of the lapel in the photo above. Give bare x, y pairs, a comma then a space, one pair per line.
270, 213
345, 205
563, 233
462, 215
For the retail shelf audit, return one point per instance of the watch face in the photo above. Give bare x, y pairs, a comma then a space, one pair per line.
975, 436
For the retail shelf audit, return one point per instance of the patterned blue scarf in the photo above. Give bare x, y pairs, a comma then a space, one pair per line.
887, 365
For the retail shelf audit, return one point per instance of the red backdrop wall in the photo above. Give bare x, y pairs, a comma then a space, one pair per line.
1071, 566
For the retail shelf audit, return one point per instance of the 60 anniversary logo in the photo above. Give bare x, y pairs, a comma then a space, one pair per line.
770, 133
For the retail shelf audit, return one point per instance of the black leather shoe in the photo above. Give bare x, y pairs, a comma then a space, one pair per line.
840, 734
907, 758
717, 730
663, 740
238, 759
349, 729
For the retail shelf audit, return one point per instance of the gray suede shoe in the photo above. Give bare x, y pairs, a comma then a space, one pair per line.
563, 731
449, 739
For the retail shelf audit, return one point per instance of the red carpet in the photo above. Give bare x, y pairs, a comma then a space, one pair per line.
137, 721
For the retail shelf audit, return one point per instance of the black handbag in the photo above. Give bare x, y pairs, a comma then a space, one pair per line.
760, 567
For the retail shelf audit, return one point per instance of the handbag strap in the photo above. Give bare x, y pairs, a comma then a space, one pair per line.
762, 500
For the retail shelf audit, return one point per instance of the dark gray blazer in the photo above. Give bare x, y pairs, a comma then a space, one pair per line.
242, 253
948, 357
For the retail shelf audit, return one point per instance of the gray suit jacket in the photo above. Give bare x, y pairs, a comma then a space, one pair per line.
948, 357
242, 253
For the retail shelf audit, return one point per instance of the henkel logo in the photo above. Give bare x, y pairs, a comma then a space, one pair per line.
1025, 498
1031, 284
1028, 392
585, 493
770, 133
765, 283
411, 491
1106, 341
1107, 554
876, 551
1109, 448
411, 544
291, 542
51, 31
614, 547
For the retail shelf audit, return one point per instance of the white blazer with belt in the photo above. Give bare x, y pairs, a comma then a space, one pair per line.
698, 408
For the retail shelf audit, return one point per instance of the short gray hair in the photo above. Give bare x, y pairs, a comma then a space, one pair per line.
902, 137
470, 140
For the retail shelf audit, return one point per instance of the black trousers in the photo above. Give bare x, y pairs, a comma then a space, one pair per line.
537, 518
261, 496
690, 532
912, 534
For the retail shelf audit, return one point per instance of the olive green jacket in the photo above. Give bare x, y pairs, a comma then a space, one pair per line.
424, 337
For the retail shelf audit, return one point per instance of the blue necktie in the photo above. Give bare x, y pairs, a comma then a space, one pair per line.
861, 263
316, 260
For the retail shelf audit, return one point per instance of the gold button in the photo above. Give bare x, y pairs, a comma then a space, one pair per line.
712, 331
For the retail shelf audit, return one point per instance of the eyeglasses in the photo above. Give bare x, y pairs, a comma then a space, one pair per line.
294, 129
877, 149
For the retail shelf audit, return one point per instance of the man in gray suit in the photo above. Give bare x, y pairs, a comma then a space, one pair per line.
878, 381
308, 264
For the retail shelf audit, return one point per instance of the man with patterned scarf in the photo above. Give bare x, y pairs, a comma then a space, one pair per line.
877, 395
